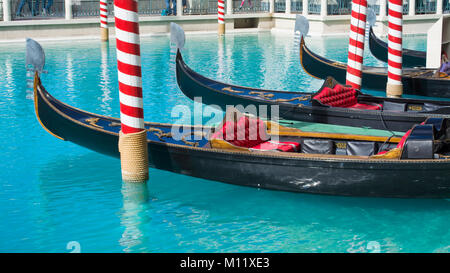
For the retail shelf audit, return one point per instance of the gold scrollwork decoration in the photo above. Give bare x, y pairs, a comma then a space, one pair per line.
229, 89
302, 98
339, 64
114, 124
160, 134
263, 95
93, 122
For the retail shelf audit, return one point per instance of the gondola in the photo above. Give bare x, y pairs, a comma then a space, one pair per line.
415, 166
416, 81
411, 58
395, 114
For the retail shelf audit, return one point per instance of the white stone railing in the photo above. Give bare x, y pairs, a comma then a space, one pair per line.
320, 7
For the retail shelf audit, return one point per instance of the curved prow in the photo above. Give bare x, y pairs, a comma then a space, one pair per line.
319, 67
301, 25
177, 35
377, 47
35, 61
35, 56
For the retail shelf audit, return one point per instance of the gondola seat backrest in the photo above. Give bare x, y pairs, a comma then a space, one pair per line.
342, 96
249, 133
419, 143
439, 124
402, 142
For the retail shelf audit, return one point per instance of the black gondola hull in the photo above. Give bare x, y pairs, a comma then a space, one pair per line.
410, 58
333, 176
415, 81
195, 85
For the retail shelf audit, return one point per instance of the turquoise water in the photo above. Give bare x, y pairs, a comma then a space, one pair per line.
54, 192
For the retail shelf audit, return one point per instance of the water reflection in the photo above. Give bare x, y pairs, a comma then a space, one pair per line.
134, 216
9, 79
104, 79
69, 72
220, 57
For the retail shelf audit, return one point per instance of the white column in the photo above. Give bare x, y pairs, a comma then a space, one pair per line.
383, 11
288, 7
6, 10
271, 6
179, 7
412, 7
323, 8
229, 6
439, 9
305, 7
68, 9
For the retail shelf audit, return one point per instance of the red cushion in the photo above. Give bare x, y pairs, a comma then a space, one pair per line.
403, 140
247, 132
221, 133
339, 96
366, 106
286, 146
401, 143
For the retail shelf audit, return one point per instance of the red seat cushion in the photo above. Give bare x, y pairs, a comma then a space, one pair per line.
247, 132
401, 143
342, 96
285, 146
367, 106
252, 133
339, 96
403, 140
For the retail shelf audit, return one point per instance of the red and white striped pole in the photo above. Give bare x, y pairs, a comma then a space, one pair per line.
133, 136
394, 86
221, 16
356, 43
104, 20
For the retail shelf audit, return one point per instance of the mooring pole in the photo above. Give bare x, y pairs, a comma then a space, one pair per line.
394, 87
221, 17
356, 43
133, 136
104, 35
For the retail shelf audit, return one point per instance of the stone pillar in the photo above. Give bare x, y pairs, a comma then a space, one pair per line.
229, 5
180, 8
271, 6
288, 7
68, 9
412, 7
439, 6
305, 7
6, 10
323, 8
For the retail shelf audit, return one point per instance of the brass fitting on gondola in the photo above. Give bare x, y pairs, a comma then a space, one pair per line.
394, 90
104, 34
134, 156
